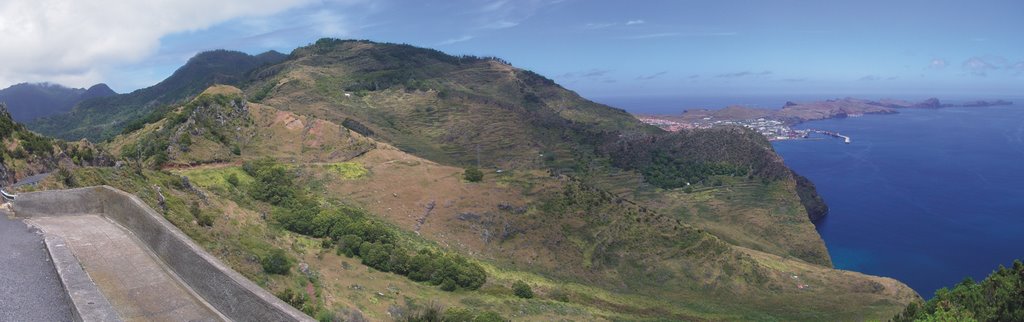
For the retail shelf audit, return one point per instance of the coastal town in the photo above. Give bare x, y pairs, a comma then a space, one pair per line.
773, 130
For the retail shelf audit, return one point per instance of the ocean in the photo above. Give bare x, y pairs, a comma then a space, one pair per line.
928, 197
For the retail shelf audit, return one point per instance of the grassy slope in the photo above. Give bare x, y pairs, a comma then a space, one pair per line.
468, 108
460, 108
639, 261
257, 130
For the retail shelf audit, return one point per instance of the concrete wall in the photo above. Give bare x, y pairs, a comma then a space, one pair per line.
228, 291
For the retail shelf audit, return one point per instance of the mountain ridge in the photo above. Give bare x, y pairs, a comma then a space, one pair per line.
101, 118
29, 101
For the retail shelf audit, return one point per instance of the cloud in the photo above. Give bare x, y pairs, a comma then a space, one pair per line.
595, 26
744, 74
980, 66
502, 24
682, 34
654, 35
455, 40
937, 63
872, 78
592, 73
75, 41
603, 25
652, 76
503, 14
694, 76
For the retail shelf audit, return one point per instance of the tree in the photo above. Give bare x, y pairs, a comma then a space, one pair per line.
277, 262
522, 290
473, 174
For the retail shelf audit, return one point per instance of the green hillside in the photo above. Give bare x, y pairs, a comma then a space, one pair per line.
101, 118
336, 179
25, 153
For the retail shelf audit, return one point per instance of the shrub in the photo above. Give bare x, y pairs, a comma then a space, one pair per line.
206, 218
232, 179
273, 181
522, 290
473, 174
448, 285
66, 177
277, 262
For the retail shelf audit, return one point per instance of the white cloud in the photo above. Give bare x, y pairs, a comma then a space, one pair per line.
501, 24
73, 41
455, 40
602, 25
635, 22
938, 63
679, 34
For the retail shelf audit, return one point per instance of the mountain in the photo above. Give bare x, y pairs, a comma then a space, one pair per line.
25, 153
350, 156
456, 109
27, 101
102, 118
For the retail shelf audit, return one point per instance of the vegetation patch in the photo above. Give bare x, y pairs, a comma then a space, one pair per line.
999, 297
348, 170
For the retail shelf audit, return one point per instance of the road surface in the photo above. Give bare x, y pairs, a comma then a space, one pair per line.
29, 287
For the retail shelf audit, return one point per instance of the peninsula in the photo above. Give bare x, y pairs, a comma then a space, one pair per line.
775, 124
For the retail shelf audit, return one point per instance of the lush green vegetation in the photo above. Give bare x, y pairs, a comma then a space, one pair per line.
521, 289
356, 234
674, 160
348, 170
276, 262
999, 297
472, 174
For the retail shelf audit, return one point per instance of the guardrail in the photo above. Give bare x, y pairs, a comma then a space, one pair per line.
7, 195
226, 290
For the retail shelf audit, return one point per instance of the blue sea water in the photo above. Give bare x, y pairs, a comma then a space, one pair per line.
928, 197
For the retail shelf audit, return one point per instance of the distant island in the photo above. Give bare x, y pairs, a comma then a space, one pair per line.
775, 124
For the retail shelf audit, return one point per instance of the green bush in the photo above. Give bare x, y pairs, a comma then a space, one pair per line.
999, 297
277, 262
273, 181
206, 218
472, 174
375, 243
522, 290
232, 179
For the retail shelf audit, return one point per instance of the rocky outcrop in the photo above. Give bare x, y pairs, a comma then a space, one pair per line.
809, 198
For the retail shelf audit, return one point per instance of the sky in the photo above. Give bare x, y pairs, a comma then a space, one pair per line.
597, 48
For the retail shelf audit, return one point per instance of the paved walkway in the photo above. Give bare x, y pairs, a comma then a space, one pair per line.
138, 286
29, 287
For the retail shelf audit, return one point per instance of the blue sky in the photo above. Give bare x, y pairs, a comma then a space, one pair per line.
657, 48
